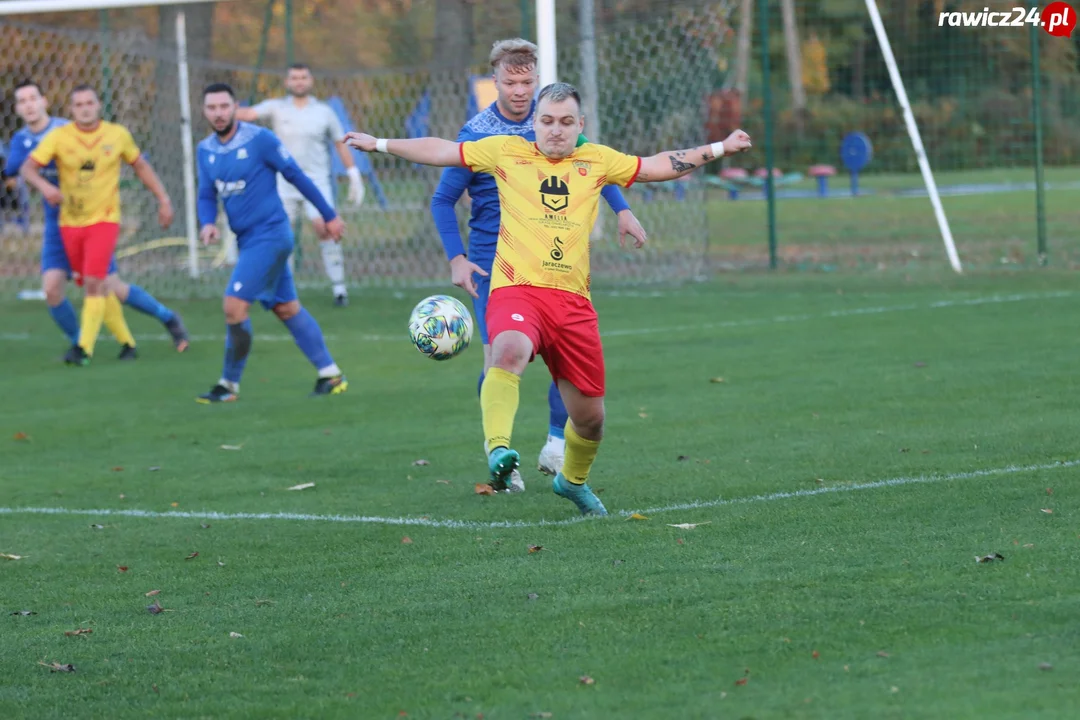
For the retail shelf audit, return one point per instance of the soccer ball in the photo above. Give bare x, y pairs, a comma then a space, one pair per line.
440, 327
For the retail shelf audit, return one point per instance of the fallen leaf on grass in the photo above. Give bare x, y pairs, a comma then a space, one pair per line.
24, 612
406, 540
155, 468
421, 463
535, 548
98, 527
586, 680
716, 380
1048, 511
80, 631
154, 688
443, 482
204, 526
483, 489
152, 593
689, 526
683, 458
57, 667
235, 635
532, 596
643, 415
302, 486
21, 436
637, 516
231, 447
883, 654
815, 654
9, 556
742, 681
1046, 666
121, 568
192, 555
175, 504
1049, 491
989, 558
118, 469
156, 608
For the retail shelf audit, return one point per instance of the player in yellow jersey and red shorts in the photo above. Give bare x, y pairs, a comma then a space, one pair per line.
88, 154
540, 302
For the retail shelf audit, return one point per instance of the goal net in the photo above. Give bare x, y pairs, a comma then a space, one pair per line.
654, 70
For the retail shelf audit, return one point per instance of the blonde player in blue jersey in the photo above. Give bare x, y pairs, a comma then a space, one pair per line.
514, 67
239, 164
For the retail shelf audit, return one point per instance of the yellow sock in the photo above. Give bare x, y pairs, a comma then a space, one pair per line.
93, 314
114, 320
580, 454
499, 404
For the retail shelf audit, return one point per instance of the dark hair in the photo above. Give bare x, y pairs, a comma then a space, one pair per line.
218, 88
83, 87
29, 83
299, 66
559, 91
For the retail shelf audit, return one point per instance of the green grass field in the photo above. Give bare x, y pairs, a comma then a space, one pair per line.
872, 435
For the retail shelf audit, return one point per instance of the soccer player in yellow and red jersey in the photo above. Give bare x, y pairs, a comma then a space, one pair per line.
88, 154
540, 301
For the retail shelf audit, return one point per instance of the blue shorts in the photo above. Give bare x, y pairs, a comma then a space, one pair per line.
53, 256
483, 289
262, 273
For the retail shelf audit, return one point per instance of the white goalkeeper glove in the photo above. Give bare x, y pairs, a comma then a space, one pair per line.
356, 186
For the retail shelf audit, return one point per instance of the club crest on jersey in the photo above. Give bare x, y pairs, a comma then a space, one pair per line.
241, 154
107, 150
554, 192
86, 171
582, 167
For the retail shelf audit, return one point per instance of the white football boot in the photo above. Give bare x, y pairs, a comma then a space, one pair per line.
550, 461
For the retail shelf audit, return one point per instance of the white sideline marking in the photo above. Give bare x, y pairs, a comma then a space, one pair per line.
509, 524
749, 322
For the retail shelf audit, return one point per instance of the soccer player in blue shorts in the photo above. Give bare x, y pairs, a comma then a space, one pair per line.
31, 106
514, 64
239, 163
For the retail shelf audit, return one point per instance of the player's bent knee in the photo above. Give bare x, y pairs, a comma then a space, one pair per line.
236, 310
288, 310
117, 287
94, 286
511, 351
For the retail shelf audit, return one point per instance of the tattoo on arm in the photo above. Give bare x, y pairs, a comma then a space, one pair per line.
678, 165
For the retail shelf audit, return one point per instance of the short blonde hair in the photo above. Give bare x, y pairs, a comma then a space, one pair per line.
515, 53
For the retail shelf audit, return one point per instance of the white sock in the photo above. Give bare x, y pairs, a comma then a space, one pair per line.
330, 371
334, 262
560, 442
233, 387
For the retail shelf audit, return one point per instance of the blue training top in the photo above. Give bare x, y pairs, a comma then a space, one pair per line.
484, 222
23, 143
243, 173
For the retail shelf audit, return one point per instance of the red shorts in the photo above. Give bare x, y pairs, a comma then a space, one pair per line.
90, 249
563, 328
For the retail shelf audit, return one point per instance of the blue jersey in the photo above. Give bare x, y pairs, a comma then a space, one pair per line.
484, 223
22, 144
243, 173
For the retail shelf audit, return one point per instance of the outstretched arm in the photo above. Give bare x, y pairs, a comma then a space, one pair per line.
673, 164
425, 151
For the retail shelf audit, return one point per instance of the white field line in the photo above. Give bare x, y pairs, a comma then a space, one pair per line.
509, 524
748, 322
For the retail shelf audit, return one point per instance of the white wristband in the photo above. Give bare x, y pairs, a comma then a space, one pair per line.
717, 149
380, 145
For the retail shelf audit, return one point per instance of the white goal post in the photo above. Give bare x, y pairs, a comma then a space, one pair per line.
23, 7
913, 133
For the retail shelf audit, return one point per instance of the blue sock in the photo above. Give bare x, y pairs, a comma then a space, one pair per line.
144, 302
558, 416
309, 338
237, 347
480, 383
64, 316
